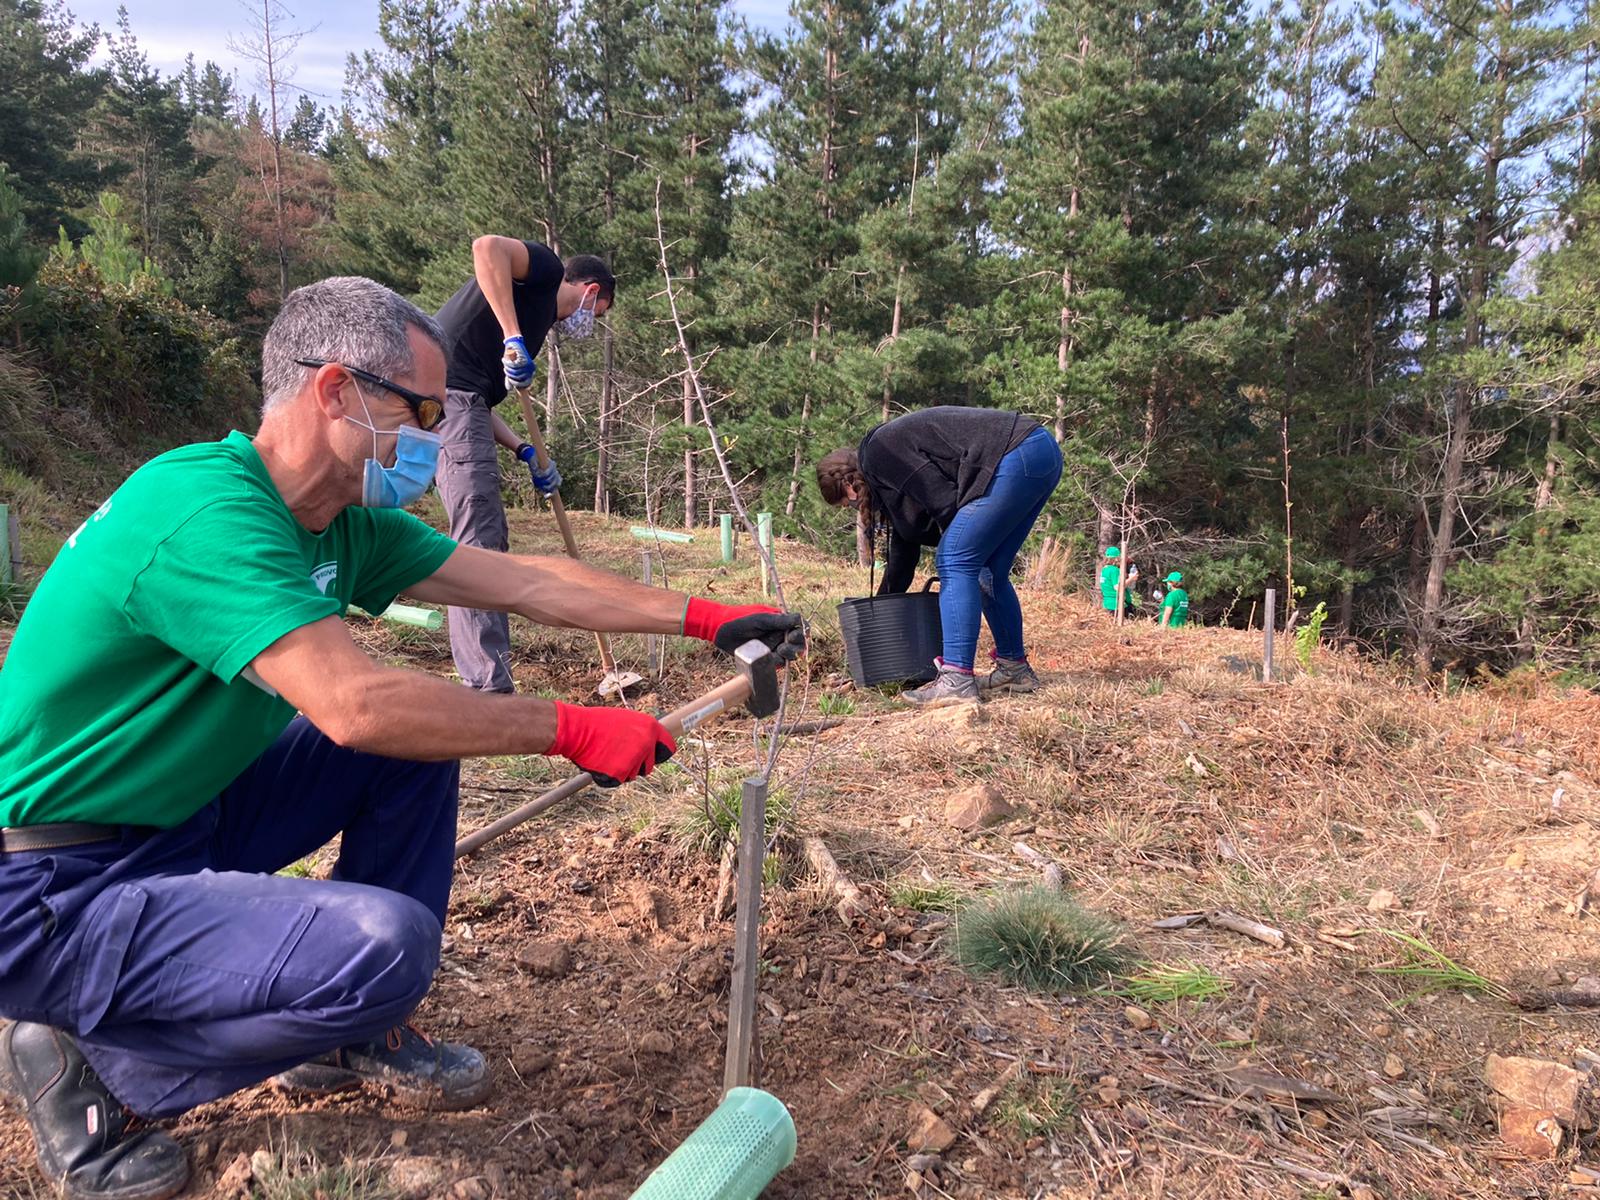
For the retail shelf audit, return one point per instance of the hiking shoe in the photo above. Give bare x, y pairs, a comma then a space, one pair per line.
950, 686
89, 1144
1011, 675
406, 1062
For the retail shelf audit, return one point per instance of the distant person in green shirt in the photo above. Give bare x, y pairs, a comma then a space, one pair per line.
1175, 605
1109, 576
154, 773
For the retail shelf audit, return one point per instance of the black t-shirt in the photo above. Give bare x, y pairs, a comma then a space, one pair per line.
924, 466
478, 343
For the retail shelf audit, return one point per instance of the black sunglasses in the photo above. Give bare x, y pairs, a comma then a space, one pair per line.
426, 409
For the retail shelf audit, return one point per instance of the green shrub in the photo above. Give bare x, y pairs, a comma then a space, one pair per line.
1039, 938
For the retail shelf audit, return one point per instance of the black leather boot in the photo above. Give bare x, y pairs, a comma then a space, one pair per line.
88, 1143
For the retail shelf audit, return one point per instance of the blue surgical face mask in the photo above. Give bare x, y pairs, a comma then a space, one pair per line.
416, 458
581, 323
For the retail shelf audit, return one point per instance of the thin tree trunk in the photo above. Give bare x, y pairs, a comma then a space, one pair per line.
1441, 551
1543, 498
1064, 346
277, 149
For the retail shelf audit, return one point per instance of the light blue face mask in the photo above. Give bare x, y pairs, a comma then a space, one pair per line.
416, 458
581, 323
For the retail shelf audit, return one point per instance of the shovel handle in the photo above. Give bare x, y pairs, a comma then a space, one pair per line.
681, 720
542, 456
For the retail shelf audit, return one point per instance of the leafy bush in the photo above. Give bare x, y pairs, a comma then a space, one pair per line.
137, 358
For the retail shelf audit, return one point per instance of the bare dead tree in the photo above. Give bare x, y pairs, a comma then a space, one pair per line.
271, 44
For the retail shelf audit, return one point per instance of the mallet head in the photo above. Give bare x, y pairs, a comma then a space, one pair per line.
759, 665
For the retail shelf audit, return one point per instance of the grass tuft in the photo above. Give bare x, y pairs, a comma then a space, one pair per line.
299, 1173
707, 823
1038, 938
1166, 982
1434, 971
924, 897
835, 704
1035, 1108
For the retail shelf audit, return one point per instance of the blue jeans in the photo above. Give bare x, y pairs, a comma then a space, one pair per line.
976, 552
186, 970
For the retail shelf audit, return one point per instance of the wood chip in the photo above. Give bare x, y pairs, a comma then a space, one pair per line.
1223, 919
1258, 1081
851, 903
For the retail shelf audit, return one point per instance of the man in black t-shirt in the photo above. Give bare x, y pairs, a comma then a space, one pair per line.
496, 322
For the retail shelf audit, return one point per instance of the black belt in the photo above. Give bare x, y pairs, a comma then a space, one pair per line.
56, 836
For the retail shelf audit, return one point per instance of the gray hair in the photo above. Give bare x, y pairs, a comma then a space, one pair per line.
346, 319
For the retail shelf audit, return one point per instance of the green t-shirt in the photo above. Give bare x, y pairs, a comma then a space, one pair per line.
125, 697
1178, 601
1109, 578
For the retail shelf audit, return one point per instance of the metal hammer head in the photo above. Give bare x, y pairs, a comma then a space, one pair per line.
759, 665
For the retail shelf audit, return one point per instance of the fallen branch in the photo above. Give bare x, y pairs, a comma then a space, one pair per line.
1221, 918
851, 903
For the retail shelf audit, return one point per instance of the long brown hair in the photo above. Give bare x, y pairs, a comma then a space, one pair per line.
836, 470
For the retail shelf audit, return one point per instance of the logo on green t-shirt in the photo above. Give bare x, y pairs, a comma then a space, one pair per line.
323, 575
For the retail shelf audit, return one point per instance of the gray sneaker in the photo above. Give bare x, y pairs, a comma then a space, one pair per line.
1011, 675
948, 687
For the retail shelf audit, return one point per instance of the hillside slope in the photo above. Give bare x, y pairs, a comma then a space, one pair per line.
1339, 807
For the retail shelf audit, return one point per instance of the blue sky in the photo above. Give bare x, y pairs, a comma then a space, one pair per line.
169, 29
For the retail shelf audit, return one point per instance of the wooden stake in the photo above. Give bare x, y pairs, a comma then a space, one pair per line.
741, 1064
1268, 617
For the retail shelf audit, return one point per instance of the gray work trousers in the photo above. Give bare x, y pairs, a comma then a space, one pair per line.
469, 485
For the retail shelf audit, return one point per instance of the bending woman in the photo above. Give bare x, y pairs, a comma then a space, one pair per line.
971, 481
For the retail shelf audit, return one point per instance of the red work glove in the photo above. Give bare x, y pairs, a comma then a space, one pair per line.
729, 626
612, 744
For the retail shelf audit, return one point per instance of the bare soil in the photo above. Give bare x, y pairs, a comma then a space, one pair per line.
1160, 776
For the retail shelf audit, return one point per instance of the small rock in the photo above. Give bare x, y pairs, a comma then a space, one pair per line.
1316, 1118
1382, 1029
923, 1163
929, 1131
530, 1060
473, 1188
1516, 860
1137, 1017
1393, 1067
1362, 1192
1536, 1084
656, 1042
934, 1096
976, 808
969, 1165
235, 1180
907, 821
650, 904
1382, 901
262, 1163
398, 1139
547, 960
913, 1182
413, 1177
1534, 1132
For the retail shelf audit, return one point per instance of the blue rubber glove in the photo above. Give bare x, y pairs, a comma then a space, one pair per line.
517, 364
547, 481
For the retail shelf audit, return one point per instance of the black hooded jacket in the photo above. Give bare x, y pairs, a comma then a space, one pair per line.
924, 466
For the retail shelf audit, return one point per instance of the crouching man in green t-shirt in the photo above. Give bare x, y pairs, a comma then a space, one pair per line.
154, 773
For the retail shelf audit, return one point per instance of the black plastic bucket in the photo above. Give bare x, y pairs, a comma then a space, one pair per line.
894, 638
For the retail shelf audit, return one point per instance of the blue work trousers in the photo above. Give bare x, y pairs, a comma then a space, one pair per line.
977, 550
187, 970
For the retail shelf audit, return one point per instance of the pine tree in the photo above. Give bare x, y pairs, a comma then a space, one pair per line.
1127, 194
395, 210
45, 100
140, 131
1477, 87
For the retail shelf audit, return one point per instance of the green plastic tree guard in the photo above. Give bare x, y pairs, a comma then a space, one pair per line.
732, 1155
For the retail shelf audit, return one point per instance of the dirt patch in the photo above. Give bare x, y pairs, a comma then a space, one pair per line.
583, 956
